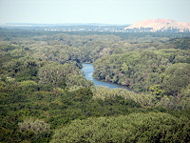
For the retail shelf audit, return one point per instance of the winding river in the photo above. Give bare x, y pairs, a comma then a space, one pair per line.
88, 70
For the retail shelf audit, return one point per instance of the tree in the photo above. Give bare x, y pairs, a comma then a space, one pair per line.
177, 77
55, 74
136, 127
32, 129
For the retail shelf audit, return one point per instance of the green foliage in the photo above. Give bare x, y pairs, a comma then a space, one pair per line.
157, 91
185, 92
34, 129
42, 88
56, 106
182, 43
77, 80
139, 70
145, 100
62, 75
176, 78
28, 84
22, 69
136, 127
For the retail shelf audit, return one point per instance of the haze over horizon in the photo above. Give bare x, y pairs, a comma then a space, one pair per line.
92, 11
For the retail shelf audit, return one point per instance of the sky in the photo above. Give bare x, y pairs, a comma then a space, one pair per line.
92, 11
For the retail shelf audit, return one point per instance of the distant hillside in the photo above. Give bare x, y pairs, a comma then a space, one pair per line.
159, 25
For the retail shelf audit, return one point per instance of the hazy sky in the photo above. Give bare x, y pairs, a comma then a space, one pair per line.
92, 11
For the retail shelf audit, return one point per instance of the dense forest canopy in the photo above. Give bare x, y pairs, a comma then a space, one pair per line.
44, 96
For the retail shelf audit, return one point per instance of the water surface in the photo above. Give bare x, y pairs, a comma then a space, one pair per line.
88, 70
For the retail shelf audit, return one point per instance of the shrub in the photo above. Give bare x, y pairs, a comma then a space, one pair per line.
136, 127
31, 127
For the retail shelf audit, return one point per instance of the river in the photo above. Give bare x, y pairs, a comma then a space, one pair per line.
88, 70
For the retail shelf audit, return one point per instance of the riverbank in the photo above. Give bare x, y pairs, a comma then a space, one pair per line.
88, 70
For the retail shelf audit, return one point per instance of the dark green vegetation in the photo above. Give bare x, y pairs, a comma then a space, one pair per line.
137, 127
44, 97
142, 70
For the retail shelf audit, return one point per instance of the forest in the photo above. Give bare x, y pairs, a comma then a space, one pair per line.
45, 98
